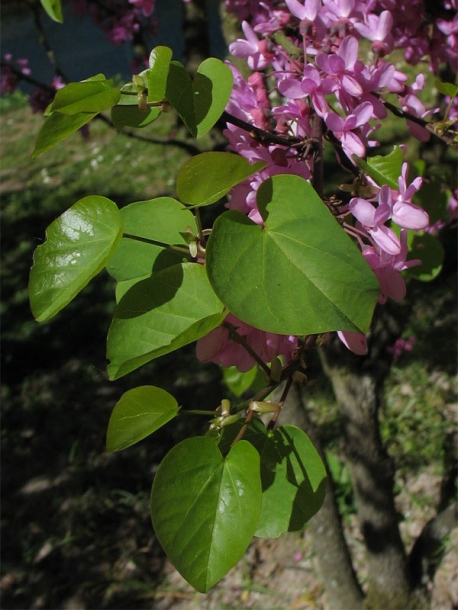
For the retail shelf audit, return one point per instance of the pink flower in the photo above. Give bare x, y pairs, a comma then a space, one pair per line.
343, 128
355, 342
254, 50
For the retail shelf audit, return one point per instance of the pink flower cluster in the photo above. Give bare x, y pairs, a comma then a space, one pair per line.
11, 73
321, 69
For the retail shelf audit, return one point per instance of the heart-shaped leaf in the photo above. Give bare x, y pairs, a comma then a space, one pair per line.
172, 308
201, 102
293, 482
299, 274
77, 247
87, 96
133, 116
139, 412
205, 508
209, 176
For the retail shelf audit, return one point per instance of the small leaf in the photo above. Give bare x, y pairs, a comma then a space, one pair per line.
205, 508
58, 127
383, 169
159, 62
430, 251
238, 382
53, 9
207, 177
77, 247
87, 96
448, 89
172, 308
212, 88
139, 412
133, 116
300, 274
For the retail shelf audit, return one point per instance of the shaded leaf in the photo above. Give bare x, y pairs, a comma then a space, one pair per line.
54, 9
139, 412
58, 127
207, 177
172, 308
133, 116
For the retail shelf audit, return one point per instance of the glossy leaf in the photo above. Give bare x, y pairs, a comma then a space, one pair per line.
139, 412
58, 127
54, 9
87, 96
172, 308
201, 102
205, 508
293, 481
159, 62
162, 219
299, 274
207, 177
77, 247
383, 169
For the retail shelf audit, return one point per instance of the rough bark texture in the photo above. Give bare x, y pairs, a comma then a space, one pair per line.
358, 387
342, 588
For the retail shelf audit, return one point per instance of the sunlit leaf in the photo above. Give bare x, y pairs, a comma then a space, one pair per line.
205, 508
77, 247
86, 96
299, 274
53, 9
384, 169
58, 127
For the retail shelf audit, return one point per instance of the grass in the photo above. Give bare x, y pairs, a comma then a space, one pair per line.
76, 526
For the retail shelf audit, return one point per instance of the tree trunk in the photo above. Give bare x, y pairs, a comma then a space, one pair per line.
358, 386
336, 568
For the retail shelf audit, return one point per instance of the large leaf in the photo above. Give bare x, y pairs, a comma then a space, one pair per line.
172, 308
209, 176
161, 219
139, 412
383, 169
293, 481
201, 102
87, 96
205, 508
77, 247
53, 9
58, 127
299, 274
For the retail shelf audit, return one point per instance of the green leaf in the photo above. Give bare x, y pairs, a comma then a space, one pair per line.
383, 169
139, 412
162, 219
238, 382
205, 508
58, 127
172, 308
293, 481
53, 9
157, 75
133, 116
77, 247
212, 88
200, 103
87, 96
207, 177
448, 89
300, 274
430, 251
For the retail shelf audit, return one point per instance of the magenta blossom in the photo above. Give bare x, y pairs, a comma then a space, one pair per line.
343, 128
255, 51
